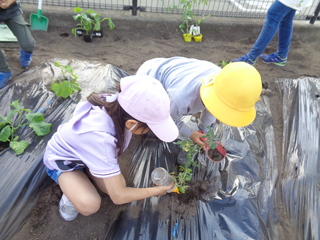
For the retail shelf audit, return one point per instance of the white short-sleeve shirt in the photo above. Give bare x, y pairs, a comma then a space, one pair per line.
87, 140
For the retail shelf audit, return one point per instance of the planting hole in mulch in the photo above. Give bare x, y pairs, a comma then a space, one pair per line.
3, 145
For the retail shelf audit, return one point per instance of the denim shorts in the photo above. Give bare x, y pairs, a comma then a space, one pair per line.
54, 174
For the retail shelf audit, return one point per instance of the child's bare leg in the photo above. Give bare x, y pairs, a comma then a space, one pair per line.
80, 191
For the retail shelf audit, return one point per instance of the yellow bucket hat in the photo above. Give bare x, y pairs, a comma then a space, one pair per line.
231, 95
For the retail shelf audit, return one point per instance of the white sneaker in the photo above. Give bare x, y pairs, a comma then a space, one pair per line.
67, 210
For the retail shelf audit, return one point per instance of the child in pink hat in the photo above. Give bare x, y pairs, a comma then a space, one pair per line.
83, 153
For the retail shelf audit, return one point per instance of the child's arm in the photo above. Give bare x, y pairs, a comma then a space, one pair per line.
120, 193
4, 4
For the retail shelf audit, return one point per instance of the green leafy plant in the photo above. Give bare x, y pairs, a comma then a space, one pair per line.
187, 8
8, 128
192, 149
84, 21
196, 27
65, 87
97, 19
89, 20
185, 25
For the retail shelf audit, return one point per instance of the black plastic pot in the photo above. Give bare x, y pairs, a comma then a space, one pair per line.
98, 34
80, 32
87, 37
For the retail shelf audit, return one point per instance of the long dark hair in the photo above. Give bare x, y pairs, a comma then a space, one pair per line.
119, 117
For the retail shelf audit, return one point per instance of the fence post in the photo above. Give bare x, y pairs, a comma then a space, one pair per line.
315, 15
134, 8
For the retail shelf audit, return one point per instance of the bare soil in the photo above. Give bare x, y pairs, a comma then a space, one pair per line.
133, 41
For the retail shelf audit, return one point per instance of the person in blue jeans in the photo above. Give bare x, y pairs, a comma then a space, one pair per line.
279, 18
11, 15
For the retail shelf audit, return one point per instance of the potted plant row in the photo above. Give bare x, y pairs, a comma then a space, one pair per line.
190, 26
89, 24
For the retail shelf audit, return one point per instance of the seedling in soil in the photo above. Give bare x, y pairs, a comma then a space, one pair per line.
65, 87
223, 63
8, 128
192, 149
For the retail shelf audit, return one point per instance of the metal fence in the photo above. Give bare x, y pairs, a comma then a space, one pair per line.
220, 8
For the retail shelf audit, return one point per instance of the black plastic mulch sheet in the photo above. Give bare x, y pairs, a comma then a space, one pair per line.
300, 181
23, 177
239, 198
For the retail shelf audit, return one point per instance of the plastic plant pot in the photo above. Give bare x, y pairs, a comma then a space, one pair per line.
98, 34
216, 154
87, 37
79, 32
187, 37
197, 38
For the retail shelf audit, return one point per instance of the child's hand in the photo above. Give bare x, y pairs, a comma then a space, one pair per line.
196, 137
4, 4
164, 189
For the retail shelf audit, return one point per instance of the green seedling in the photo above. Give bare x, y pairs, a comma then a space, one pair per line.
8, 128
84, 21
65, 87
192, 149
187, 8
97, 19
223, 63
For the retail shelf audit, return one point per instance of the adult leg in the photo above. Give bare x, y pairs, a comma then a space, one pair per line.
80, 191
22, 31
5, 70
275, 14
3, 63
285, 34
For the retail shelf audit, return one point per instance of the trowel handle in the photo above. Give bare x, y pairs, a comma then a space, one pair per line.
39, 4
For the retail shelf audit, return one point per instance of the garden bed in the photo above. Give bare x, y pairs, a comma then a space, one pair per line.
133, 41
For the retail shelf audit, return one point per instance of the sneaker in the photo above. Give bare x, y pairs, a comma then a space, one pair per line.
66, 209
4, 78
25, 58
244, 58
273, 58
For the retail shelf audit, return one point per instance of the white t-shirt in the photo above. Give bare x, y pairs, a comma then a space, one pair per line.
297, 4
87, 140
182, 78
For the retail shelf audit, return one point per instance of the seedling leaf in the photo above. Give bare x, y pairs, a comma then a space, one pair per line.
16, 104
62, 89
3, 122
8, 127
5, 133
19, 147
34, 117
41, 128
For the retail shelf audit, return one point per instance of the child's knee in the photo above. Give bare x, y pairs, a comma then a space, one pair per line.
89, 205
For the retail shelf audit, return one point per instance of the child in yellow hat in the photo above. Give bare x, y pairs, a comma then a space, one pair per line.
194, 86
